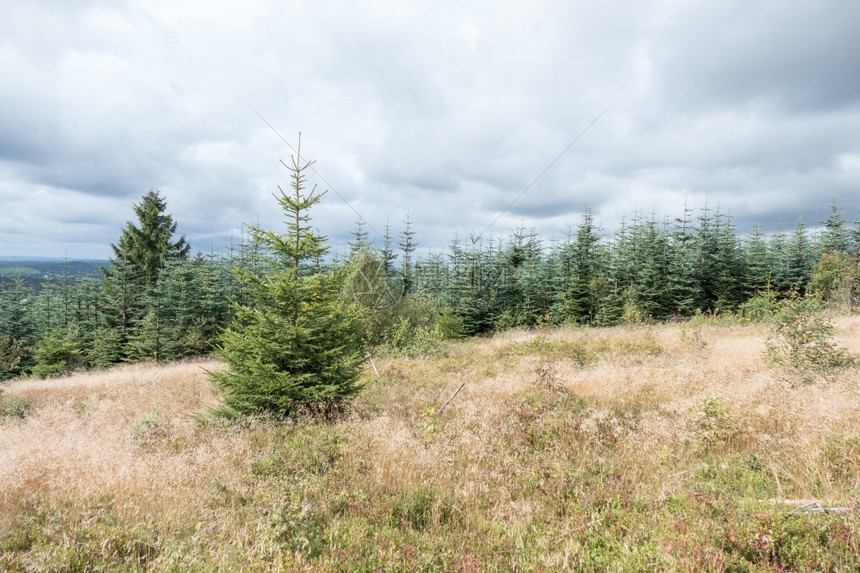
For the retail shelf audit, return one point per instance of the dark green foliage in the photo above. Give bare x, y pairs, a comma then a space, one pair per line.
17, 325
374, 294
756, 275
407, 248
799, 259
11, 355
836, 237
295, 344
59, 352
587, 283
153, 302
681, 281
186, 308
146, 248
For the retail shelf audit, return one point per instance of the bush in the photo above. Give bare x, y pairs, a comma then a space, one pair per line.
13, 407
56, 354
759, 308
802, 338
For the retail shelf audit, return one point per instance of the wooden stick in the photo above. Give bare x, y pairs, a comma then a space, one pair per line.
375, 371
457, 391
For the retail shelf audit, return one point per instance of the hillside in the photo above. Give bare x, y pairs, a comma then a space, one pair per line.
55, 267
672, 447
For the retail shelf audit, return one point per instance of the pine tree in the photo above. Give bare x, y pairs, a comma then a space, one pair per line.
407, 247
799, 259
757, 274
727, 265
586, 276
295, 344
148, 247
836, 237
682, 282
359, 241
18, 333
387, 253
130, 284
778, 260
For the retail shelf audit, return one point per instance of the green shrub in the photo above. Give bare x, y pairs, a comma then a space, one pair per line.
13, 407
759, 308
802, 338
56, 354
714, 425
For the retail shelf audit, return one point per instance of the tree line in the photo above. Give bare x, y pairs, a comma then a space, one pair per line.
155, 301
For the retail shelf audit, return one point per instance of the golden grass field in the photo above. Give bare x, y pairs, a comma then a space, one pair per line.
671, 447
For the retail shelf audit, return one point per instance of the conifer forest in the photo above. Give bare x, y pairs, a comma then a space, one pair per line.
157, 300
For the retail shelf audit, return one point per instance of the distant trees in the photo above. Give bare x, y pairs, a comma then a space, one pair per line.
152, 303
155, 302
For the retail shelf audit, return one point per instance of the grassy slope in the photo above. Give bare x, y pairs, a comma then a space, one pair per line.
666, 448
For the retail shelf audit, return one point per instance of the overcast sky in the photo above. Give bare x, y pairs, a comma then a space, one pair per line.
442, 111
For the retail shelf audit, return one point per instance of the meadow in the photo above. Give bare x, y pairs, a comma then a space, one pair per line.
671, 447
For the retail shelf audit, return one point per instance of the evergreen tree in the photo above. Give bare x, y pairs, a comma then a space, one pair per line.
130, 284
359, 241
836, 238
587, 281
470, 292
387, 253
727, 269
18, 332
374, 294
147, 248
683, 290
799, 259
652, 288
58, 352
431, 278
407, 247
706, 246
778, 260
757, 275
295, 344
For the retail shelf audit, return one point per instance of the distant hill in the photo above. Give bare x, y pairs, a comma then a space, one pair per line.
34, 268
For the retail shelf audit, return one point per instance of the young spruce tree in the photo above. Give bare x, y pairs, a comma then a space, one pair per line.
294, 344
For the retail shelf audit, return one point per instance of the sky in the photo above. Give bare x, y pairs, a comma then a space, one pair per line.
467, 117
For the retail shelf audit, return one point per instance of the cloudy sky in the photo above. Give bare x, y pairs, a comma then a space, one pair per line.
442, 111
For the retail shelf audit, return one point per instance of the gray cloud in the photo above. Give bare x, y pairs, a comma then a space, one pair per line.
445, 111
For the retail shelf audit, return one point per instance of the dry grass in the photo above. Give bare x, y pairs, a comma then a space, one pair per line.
660, 447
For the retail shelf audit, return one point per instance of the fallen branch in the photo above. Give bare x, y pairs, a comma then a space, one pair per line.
816, 507
810, 506
457, 391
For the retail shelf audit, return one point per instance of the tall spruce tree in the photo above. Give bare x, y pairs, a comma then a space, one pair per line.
836, 237
800, 257
582, 297
130, 284
294, 344
147, 248
407, 247
757, 273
